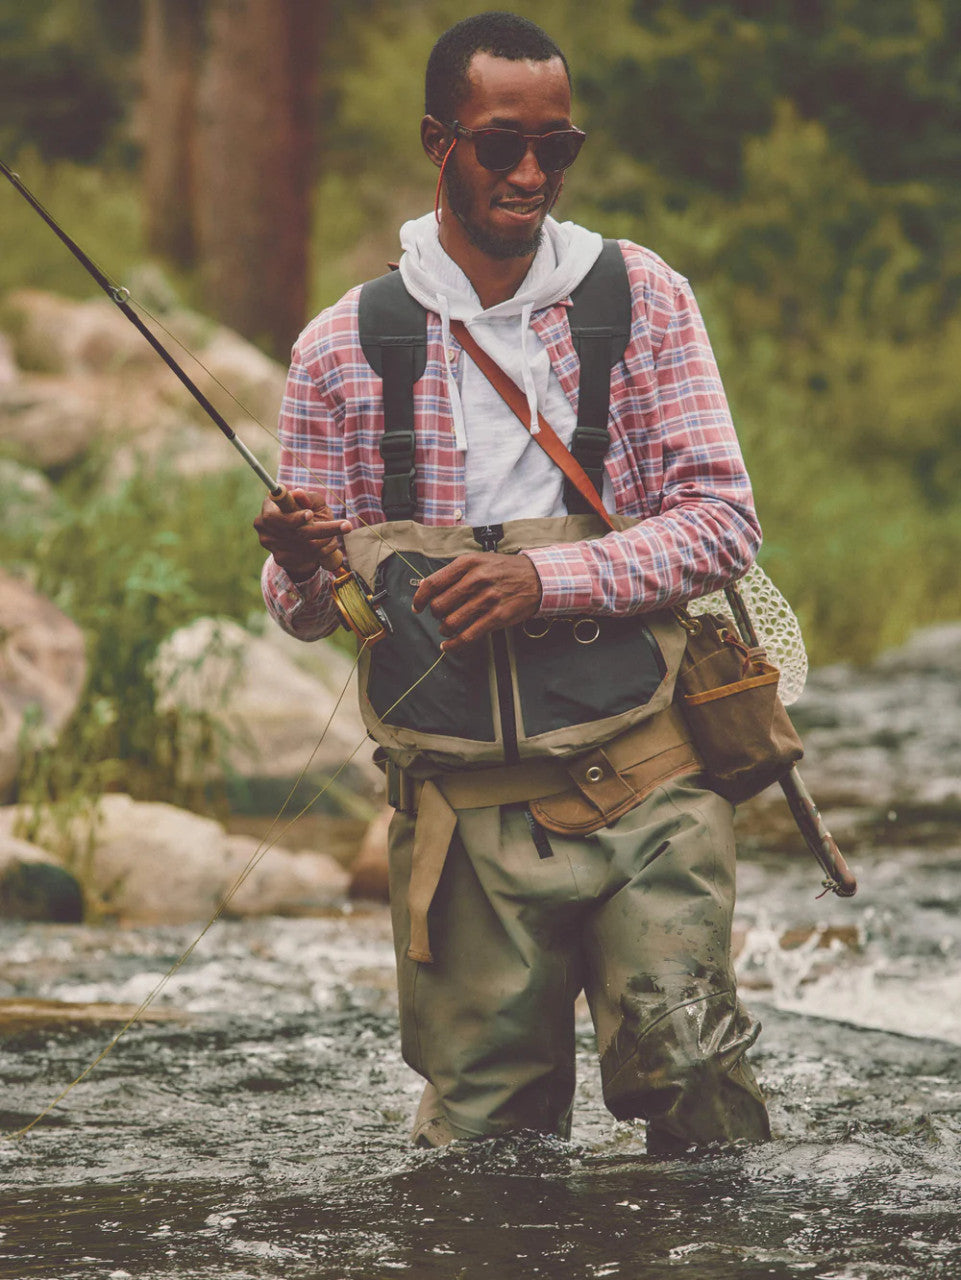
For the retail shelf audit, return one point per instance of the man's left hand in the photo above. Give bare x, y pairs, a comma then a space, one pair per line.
479, 593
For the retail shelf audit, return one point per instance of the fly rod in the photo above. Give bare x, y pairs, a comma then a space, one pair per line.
358, 608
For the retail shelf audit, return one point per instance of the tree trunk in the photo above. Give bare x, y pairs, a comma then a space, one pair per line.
172, 40
255, 163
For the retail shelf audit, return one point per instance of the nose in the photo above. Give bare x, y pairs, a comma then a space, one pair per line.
528, 173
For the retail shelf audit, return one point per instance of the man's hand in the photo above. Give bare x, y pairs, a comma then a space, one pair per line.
301, 541
480, 593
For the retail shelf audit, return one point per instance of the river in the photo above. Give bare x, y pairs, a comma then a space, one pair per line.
255, 1125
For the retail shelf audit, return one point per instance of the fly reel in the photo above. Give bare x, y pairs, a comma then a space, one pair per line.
359, 607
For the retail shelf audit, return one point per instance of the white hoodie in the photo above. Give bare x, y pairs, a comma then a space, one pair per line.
508, 475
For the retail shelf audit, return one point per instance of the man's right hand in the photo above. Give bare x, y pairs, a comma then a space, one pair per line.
301, 541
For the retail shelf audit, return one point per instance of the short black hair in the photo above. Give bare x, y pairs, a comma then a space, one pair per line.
503, 35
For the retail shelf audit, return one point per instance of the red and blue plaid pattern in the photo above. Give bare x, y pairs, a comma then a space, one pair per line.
674, 461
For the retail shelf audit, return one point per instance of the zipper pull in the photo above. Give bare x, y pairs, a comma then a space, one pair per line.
487, 536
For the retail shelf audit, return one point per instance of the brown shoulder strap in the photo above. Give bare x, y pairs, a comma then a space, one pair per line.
547, 437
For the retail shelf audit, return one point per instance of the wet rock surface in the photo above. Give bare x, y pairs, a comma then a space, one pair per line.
263, 1131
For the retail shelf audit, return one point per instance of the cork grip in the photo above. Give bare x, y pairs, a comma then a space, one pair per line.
281, 497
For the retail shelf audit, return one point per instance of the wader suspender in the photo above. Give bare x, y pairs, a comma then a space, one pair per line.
393, 334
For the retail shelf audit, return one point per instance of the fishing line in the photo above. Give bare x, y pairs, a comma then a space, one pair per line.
262, 850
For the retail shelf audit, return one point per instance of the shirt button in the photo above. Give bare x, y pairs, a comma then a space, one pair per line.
451, 354
458, 514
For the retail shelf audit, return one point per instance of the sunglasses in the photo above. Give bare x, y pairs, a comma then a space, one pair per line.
502, 150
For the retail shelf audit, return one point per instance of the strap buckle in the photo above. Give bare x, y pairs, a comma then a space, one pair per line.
400, 788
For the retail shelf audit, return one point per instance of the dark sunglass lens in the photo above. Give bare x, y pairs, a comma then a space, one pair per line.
557, 150
499, 149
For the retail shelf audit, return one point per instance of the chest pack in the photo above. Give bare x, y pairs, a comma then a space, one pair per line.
549, 688
393, 334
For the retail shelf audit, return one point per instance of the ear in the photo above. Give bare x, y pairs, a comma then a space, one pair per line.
435, 139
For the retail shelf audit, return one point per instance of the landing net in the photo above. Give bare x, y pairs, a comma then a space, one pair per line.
778, 630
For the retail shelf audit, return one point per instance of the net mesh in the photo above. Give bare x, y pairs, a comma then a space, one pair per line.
778, 630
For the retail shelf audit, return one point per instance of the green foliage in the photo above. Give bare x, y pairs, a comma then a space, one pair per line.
99, 208
132, 561
63, 86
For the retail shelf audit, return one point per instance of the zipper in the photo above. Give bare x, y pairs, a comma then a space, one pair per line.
487, 537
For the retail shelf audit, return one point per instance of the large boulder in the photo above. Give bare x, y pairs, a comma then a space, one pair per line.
42, 669
73, 373
276, 713
152, 863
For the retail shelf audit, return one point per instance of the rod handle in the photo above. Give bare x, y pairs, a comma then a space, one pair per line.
819, 840
281, 497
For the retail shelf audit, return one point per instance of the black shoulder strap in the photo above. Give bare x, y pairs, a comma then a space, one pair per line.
393, 333
600, 320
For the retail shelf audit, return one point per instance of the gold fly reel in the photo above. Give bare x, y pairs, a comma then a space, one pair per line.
358, 607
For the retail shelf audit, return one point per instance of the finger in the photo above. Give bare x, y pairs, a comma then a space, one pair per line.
438, 582
478, 629
457, 619
321, 530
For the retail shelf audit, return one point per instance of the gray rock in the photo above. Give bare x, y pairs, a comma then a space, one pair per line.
42, 669
276, 714
33, 885
152, 863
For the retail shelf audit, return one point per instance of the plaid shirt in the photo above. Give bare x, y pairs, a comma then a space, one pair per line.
673, 463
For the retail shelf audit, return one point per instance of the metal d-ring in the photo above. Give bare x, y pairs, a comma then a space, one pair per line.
536, 635
586, 630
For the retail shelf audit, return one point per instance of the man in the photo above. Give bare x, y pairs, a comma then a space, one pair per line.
527, 911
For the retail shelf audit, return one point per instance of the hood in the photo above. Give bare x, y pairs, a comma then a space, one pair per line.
566, 254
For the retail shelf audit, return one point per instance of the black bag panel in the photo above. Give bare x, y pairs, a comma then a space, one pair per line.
454, 701
563, 682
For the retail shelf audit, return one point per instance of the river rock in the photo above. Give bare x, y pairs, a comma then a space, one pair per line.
8, 365
85, 373
369, 875
62, 335
33, 885
275, 713
42, 668
281, 883
153, 863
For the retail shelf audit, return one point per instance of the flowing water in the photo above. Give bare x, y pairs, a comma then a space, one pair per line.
256, 1124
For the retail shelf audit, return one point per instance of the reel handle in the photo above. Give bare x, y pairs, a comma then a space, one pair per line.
281, 497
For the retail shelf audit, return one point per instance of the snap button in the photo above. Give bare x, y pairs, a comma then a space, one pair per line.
595, 773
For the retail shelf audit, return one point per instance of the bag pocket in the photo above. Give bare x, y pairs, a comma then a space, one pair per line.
729, 699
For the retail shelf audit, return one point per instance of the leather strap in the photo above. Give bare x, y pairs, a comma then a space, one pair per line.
546, 437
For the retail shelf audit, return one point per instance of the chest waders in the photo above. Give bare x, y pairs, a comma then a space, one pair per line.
571, 716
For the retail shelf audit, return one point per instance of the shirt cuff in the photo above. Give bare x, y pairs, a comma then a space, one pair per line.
567, 584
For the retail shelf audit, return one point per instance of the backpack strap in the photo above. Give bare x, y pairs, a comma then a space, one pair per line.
600, 320
393, 333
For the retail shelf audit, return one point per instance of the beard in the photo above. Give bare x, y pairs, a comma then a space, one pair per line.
489, 242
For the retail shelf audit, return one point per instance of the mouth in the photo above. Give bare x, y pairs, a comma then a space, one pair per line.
523, 210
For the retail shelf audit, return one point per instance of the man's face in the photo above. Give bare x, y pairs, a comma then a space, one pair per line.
503, 214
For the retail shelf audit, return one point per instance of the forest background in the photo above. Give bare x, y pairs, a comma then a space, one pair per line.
797, 160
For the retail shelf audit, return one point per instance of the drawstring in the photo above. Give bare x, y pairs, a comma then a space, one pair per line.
529, 386
453, 391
